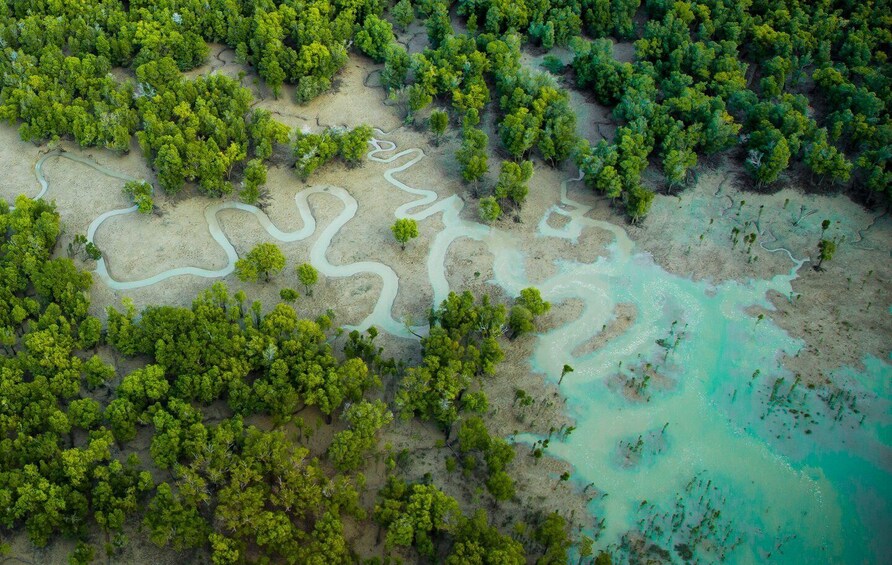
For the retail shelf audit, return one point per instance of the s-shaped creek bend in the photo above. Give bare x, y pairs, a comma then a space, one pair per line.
713, 428
426, 205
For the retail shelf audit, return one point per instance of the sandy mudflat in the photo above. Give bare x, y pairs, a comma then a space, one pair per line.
844, 305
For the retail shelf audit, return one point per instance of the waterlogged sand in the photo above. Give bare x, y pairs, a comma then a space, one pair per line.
733, 407
845, 304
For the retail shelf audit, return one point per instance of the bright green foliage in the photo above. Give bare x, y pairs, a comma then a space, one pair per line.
415, 515
194, 130
638, 201
84, 413
826, 160
264, 132
676, 165
472, 155
233, 491
55, 95
97, 372
144, 386
767, 162
519, 132
255, 177
461, 345
419, 98
826, 250
308, 276
353, 144
349, 447
312, 150
520, 321
265, 259
403, 230
531, 299
438, 121
488, 209
374, 37
513, 179
288, 294
171, 522
141, 194
403, 13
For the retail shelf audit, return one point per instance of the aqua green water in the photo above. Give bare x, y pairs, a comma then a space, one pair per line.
740, 465
729, 457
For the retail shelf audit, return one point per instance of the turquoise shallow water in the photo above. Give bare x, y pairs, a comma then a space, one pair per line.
722, 454
728, 456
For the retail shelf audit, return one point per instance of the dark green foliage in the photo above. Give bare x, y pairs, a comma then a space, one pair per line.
474, 444
489, 209
438, 122
198, 130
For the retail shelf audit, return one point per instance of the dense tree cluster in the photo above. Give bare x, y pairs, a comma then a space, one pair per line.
71, 424
313, 150
462, 346
712, 75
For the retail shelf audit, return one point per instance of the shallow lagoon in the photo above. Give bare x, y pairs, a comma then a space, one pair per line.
735, 459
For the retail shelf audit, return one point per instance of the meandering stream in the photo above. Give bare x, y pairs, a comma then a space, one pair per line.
711, 454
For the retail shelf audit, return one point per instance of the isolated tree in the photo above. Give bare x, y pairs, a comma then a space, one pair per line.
265, 259
826, 249
564, 372
439, 121
308, 276
403, 230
